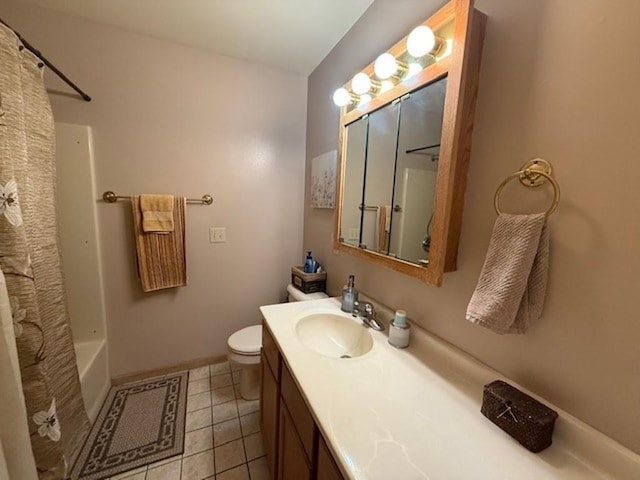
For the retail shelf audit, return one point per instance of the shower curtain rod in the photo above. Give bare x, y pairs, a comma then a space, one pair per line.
51, 66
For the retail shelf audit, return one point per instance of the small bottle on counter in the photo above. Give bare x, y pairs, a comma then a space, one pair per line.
309, 264
399, 330
349, 295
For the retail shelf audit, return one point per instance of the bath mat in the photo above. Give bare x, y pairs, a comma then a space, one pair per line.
140, 423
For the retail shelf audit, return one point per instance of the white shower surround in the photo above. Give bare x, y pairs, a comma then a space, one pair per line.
79, 246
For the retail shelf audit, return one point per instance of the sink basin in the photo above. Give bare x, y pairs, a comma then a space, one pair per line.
332, 335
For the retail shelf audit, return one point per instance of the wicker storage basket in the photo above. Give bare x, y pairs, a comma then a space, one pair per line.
524, 418
308, 282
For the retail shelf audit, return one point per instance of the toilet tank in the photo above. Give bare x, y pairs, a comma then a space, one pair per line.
295, 295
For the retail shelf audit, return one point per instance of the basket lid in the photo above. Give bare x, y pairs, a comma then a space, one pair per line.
520, 402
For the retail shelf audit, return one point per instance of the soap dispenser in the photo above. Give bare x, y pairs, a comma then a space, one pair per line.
309, 264
349, 295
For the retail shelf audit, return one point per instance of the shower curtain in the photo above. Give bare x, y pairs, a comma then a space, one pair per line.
30, 261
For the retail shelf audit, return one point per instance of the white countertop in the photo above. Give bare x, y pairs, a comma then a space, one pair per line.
415, 414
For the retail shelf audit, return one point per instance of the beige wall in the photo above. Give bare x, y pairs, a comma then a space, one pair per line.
559, 80
167, 118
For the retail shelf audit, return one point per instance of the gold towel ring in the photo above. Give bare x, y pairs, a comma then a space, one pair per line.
532, 174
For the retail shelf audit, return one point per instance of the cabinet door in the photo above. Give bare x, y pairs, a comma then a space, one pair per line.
327, 469
269, 404
292, 460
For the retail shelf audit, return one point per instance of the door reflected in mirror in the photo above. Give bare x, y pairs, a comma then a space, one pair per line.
391, 164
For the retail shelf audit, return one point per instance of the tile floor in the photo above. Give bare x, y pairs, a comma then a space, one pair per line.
222, 440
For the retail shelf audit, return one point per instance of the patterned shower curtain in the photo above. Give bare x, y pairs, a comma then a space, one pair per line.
30, 261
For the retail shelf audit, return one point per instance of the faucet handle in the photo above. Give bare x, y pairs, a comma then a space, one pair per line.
364, 307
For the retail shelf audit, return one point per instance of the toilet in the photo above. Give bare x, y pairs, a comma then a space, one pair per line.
243, 348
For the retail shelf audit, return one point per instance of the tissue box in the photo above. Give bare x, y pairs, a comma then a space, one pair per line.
308, 282
524, 418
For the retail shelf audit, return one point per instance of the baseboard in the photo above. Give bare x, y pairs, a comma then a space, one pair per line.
134, 377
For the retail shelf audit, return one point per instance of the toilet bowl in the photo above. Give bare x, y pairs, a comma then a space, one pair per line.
243, 348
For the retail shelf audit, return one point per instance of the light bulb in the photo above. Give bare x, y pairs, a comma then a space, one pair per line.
364, 99
385, 66
341, 97
413, 69
421, 41
446, 50
386, 85
361, 83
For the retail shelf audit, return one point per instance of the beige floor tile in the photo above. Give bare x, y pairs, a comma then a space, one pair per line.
250, 423
137, 476
199, 386
219, 381
236, 377
198, 401
131, 474
259, 469
229, 455
169, 471
165, 461
224, 411
226, 431
234, 368
198, 441
222, 395
237, 473
198, 419
253, 446
247, 406
197, 467
218, 368
198, 373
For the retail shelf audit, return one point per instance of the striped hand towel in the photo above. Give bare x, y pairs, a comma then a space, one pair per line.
161, 257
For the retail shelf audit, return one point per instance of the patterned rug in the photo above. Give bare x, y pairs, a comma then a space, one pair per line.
140, 423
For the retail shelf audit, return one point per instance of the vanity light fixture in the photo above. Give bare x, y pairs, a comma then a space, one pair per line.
390, 71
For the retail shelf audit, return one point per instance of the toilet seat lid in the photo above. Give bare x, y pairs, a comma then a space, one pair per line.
246, 341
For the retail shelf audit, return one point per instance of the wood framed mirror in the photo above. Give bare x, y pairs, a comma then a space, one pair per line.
406, 123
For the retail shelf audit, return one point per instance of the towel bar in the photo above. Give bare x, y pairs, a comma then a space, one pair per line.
111, 197
532, 174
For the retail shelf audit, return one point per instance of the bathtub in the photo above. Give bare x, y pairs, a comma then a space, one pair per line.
93, 367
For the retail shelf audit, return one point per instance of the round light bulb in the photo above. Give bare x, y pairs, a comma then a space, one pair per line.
341, 97
421, 41
385, 66
364, 99
413, 69
386, 85
361, 83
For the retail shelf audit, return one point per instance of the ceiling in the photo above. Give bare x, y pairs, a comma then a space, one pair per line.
292, 35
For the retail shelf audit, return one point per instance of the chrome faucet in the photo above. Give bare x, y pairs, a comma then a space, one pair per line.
367, 313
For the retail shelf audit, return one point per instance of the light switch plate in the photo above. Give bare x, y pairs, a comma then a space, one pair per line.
218, 235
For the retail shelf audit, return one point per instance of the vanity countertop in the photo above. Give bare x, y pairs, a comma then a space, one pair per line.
415, 413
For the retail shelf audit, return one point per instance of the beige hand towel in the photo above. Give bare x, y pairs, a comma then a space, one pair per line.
383, 222
157, 213
513, 282
161, 257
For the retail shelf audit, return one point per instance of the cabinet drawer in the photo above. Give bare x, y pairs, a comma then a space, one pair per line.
300, 414
270, 349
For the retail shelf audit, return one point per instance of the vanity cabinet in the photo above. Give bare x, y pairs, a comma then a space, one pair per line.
293, 444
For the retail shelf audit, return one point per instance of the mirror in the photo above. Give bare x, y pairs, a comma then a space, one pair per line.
404, 153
